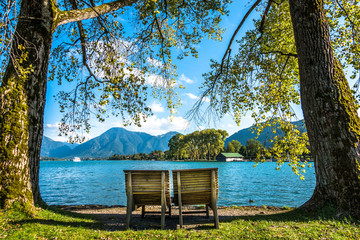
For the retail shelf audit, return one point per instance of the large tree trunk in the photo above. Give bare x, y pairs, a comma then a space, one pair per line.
22, 96
22, 102
330, 115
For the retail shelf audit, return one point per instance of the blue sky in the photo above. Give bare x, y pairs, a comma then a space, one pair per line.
190, 72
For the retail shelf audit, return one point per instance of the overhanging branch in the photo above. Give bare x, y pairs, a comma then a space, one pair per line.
91, 12
263, 19
228, 50
281, 53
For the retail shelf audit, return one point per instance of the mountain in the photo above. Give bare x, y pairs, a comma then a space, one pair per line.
124, 142
51, 148
243, 135
115, 140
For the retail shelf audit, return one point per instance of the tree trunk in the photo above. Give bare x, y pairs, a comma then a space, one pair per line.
22, 102
330, 115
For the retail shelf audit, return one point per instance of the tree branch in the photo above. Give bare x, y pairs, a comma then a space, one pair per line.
226, 58
283, 68
83, 41
162, 39
228, 50
63, 17
262, 24
99, 17
346, 12
282, 53
353, 25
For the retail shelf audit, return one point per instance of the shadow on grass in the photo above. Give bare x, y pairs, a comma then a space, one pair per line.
87, 225
116, 222
76, 219
299, 215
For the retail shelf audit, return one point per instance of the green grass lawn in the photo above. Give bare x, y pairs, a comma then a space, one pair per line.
52, 223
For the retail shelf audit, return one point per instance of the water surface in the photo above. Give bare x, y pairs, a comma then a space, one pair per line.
102, 182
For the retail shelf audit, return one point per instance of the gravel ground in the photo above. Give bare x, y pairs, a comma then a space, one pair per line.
114, 216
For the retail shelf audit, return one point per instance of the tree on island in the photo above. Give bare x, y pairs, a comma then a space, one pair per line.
98, 56
254, 148
230, 148
199, 145
287, 57
234, 146
175, 147
154, 155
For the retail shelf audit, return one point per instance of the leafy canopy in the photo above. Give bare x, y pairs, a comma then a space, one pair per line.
205, 144
111, 63
262, 77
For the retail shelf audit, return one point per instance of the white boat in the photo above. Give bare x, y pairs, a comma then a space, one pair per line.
76, 159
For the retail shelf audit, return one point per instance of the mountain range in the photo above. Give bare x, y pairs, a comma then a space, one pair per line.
123, 142
114, 141
247, 133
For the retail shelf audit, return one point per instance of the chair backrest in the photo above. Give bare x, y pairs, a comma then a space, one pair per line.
146, 186
197, 186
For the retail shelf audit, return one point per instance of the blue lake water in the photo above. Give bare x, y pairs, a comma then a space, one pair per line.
102, 182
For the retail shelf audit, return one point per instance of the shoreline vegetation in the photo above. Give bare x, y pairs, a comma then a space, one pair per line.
172, 160
199, 146
236, 222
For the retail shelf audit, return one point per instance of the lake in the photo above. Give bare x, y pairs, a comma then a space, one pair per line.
102, 182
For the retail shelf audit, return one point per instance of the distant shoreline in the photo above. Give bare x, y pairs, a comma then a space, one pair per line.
169, 160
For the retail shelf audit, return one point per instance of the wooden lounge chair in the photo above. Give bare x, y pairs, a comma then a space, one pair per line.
147, 187
195, 187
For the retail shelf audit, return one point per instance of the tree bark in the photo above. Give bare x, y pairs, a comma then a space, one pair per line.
330, 115
22, 96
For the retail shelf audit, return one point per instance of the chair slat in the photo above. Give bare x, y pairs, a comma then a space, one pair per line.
194, 187
147, 187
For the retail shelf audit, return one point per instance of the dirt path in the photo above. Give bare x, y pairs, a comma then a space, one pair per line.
114, 216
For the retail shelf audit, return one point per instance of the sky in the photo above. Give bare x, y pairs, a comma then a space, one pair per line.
190, 72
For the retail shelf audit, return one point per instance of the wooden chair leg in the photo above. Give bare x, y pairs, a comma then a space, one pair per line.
180, 215
163, 211
179, 200
214, 198
128, 215
130, 201
207, 211
170, 211
143, 211
216, 217
163, 200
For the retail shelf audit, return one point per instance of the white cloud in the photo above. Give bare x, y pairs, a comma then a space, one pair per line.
59, 138
185, 79
191, 96
124, 51
154, 62
157, 107
155, 80
52, 131
52, 126
194, 97
156, 126
202, 127
231, 125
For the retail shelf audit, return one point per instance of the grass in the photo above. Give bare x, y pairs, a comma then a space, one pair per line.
52, 223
